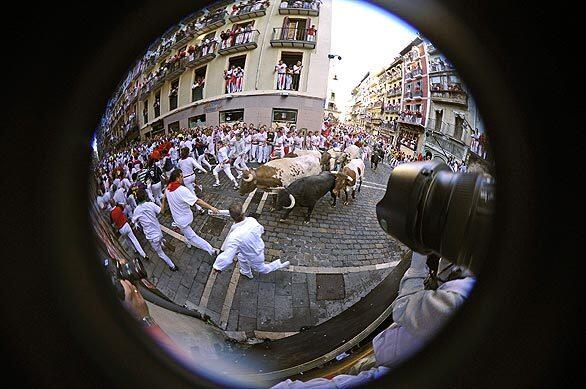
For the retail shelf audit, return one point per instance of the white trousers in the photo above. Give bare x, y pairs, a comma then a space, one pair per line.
196, 240
203, 161
126, 231
189, 182
157, 193
226, 168
240, 164
157, 245
257, 264
253, 152
266, 152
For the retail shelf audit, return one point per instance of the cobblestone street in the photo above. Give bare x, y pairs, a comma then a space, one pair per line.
336, 259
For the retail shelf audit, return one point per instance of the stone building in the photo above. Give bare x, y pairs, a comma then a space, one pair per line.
186, 78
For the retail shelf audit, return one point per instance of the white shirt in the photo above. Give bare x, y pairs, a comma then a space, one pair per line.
244, 239
120, 196
180, 201
223, 155
186, 165
146, 214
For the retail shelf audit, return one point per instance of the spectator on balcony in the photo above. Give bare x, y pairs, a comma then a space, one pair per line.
248, 33
288, 78
311, 32
239, 79
239, 36
224, 36
296, 75
228, 79
284, 4
281, 70
298, 4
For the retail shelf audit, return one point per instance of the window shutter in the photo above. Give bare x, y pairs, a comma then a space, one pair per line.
285, 27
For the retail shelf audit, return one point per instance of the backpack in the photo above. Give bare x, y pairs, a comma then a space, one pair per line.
168, 166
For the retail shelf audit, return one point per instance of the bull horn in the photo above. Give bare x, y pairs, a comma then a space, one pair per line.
334, 171
292, 202
248, 177
350, 179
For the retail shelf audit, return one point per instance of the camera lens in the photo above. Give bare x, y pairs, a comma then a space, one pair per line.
430, 208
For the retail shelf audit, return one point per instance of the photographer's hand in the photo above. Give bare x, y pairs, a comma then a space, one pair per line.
133, 300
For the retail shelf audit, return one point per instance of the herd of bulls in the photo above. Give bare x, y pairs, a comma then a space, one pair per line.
302, 178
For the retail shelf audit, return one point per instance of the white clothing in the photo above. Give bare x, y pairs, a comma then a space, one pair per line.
180, 202
126, 232
146, 215
244, 242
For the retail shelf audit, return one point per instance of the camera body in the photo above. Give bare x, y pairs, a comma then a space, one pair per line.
432, 209
132, 270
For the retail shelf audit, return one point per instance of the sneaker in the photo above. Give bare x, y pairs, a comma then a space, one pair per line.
174, 268
284, 264
216, 184
188, 245
236, 187
247, 275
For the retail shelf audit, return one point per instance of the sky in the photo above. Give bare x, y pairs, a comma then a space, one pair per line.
367, 38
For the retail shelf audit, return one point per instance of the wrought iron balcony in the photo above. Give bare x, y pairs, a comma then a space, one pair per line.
149, 65
211, 24
411, 119
242, 41
308, 8
200, 56
248, 12
458, 97
181, 41
440, 67
175, 70
293, 37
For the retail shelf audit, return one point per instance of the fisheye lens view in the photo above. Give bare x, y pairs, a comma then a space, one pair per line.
291, 193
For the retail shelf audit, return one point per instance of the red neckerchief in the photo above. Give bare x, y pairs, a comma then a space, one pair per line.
173, 185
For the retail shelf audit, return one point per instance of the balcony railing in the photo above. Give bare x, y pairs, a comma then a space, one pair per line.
248, 12
308, 8
294, 37
181, 40
245, 40
411, 118
450, 96
203, 54
413, 94
174, 70
211, 24
440, 67
394, 92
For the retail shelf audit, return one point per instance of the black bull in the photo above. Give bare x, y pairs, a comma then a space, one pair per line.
305, 192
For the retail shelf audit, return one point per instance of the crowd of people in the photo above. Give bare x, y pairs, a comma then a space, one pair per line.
307, 4
237, 36
249, 6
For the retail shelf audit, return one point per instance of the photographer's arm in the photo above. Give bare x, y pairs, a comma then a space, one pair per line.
422, 311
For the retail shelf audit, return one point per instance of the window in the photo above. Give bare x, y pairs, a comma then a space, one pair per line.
295, 29
458, 127
291, 59
199, 76
173, 95
332, 95
196, 121
285, 116
234, 75
157, 104
438, 120
145, 111
235, 115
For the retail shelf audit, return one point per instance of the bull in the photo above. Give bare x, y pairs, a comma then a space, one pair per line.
350, 177
279, 174
329, 159
305, 192
351, 152
300, 153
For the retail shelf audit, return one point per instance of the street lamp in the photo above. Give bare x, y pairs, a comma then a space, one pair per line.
332, 56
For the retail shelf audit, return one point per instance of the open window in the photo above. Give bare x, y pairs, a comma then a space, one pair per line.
157, 104
199, 77
234, 75
173, 95
281, 117
294, 62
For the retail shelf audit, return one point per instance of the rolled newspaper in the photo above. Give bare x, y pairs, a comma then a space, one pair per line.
221, 212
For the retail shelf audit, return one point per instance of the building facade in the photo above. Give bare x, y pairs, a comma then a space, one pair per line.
222, 65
